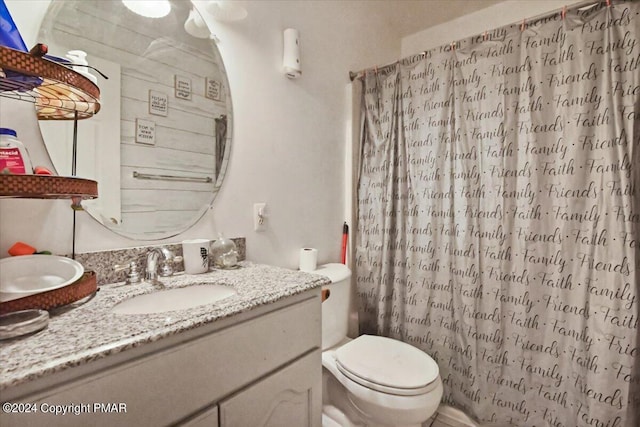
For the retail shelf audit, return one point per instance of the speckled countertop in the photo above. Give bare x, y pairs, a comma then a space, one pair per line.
92, 331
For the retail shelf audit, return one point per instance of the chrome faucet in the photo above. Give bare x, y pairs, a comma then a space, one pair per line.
159, 258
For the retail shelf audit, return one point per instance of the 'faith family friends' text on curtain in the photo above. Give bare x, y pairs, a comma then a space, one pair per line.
498, 217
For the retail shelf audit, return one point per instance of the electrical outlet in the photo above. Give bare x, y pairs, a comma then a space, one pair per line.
259, 216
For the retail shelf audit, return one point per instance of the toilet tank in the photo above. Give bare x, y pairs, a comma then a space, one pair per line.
335, 309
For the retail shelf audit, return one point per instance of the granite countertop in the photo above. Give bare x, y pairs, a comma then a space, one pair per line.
92, 331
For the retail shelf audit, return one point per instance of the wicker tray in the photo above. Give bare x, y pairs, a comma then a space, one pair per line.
58, 92
47, 187
81, 288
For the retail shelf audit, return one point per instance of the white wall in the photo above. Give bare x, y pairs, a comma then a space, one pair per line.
289, 135
505, 13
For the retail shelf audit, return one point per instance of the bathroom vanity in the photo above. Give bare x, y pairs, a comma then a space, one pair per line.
251, 359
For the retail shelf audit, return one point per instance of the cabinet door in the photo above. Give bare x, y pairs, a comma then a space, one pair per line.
292, 397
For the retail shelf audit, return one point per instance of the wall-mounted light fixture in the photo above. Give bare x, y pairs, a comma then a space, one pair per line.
149, 8
226, 10
195, 25
291, 56
219, 10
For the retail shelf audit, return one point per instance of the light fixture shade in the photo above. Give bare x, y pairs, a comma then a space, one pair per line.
149, 8
226, 10
195, 25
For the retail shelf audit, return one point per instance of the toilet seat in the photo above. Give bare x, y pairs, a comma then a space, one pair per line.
387, 366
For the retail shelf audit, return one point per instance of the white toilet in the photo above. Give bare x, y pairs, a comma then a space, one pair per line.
370, 380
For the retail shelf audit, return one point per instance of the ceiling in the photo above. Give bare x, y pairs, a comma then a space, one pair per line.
410, 16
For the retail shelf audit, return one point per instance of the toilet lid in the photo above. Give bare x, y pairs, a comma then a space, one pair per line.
387, 365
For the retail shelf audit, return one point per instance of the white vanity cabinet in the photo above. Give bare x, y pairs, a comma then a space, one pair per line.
257, 368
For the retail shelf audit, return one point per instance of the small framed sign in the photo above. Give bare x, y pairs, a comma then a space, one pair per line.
213, 89
145, 132
183, 87
158, 103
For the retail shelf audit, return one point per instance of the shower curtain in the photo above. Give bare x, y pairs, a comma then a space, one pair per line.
498, 217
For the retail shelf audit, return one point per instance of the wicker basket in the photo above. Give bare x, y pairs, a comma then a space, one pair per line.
59, 92
47, 187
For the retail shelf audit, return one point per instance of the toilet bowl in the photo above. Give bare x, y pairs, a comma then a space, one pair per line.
387, 382
371, 380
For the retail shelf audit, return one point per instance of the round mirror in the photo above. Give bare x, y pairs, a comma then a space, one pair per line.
159, 146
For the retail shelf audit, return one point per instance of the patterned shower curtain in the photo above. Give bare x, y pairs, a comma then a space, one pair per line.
499, 221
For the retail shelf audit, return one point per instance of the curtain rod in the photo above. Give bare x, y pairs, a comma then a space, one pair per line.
354, 74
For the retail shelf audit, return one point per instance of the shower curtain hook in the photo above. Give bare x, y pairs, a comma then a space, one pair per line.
564, 12
424, 54
484, 36
524, 22
608, 3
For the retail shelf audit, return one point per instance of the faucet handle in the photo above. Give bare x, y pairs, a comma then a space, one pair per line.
166, 264
133, 274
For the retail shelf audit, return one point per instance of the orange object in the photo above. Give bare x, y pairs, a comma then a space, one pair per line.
41, 170
21, 248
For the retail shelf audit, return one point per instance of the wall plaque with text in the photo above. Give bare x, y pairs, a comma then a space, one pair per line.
213, 89
183, 87
145, 132
158, 103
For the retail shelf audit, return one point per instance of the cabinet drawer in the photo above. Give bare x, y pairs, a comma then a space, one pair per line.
167, 386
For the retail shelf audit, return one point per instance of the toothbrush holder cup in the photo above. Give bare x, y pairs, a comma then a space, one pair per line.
195, 254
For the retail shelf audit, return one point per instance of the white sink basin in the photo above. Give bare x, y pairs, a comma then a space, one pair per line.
25, 275
174, 299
